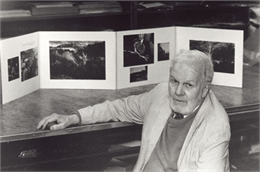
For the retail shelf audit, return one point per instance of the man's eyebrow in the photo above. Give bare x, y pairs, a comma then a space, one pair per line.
172, 77
185, 82
190, 82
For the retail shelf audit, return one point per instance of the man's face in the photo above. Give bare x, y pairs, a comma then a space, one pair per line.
186, 87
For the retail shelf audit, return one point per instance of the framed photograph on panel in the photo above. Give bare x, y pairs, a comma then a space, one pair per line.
29, 64
157, 45
138, 49
225, 48
13, 68
221, 53
77, 60
138, 74
163, 51
19, 66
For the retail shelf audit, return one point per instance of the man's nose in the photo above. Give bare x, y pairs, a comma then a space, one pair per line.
179, 90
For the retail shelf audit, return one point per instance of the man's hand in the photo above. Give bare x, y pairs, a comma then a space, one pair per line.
62, 121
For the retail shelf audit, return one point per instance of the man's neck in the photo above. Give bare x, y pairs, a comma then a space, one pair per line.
195, 109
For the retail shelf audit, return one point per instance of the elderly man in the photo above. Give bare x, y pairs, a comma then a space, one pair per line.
185, 128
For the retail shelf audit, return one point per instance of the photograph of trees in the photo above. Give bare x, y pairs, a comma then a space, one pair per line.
138, 49
77, 60
13, 68
222, 54
29, 63
163, 51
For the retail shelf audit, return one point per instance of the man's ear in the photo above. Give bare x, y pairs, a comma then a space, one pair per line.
205, 90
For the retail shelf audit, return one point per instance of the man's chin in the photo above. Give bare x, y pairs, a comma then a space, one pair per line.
177, 108
180, 109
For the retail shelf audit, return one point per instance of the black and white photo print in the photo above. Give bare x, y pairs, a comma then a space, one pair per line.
29, 63
77, 60
138, 74
13, 68
163, 51
138, 49
222, 54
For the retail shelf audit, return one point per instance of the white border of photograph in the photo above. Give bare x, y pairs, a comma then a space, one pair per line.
13, 47
110, 60
158, 72
185, 34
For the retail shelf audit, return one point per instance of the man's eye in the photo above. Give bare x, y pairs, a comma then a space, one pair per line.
189, 85
174, 81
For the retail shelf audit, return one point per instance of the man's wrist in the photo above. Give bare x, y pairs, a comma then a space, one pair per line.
75, 118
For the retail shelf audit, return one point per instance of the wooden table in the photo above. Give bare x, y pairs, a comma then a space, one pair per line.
87, 147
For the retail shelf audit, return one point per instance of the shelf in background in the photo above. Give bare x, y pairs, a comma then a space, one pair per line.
63, 16
41, 10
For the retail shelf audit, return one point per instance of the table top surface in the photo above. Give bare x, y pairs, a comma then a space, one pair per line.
20, 117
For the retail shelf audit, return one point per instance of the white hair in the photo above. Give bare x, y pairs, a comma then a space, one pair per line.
200, 57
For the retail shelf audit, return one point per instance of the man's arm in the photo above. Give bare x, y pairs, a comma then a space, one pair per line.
130, 109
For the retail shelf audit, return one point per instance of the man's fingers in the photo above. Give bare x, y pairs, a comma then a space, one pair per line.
54, 122
42, 124
57, 126
46, 122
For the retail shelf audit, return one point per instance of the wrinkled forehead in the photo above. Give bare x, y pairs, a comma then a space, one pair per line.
193, 62
193, 68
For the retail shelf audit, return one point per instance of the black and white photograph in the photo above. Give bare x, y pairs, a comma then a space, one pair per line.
138, 74
222, 54
29, 63
77, 60
138, 49
163, 51
129, 86
13, 68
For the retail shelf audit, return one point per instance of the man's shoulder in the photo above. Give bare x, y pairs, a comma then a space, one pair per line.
216, 112
160, 91
161, 88
214, 120
162, 85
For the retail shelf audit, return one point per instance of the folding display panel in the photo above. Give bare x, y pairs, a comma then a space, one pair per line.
112, 60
